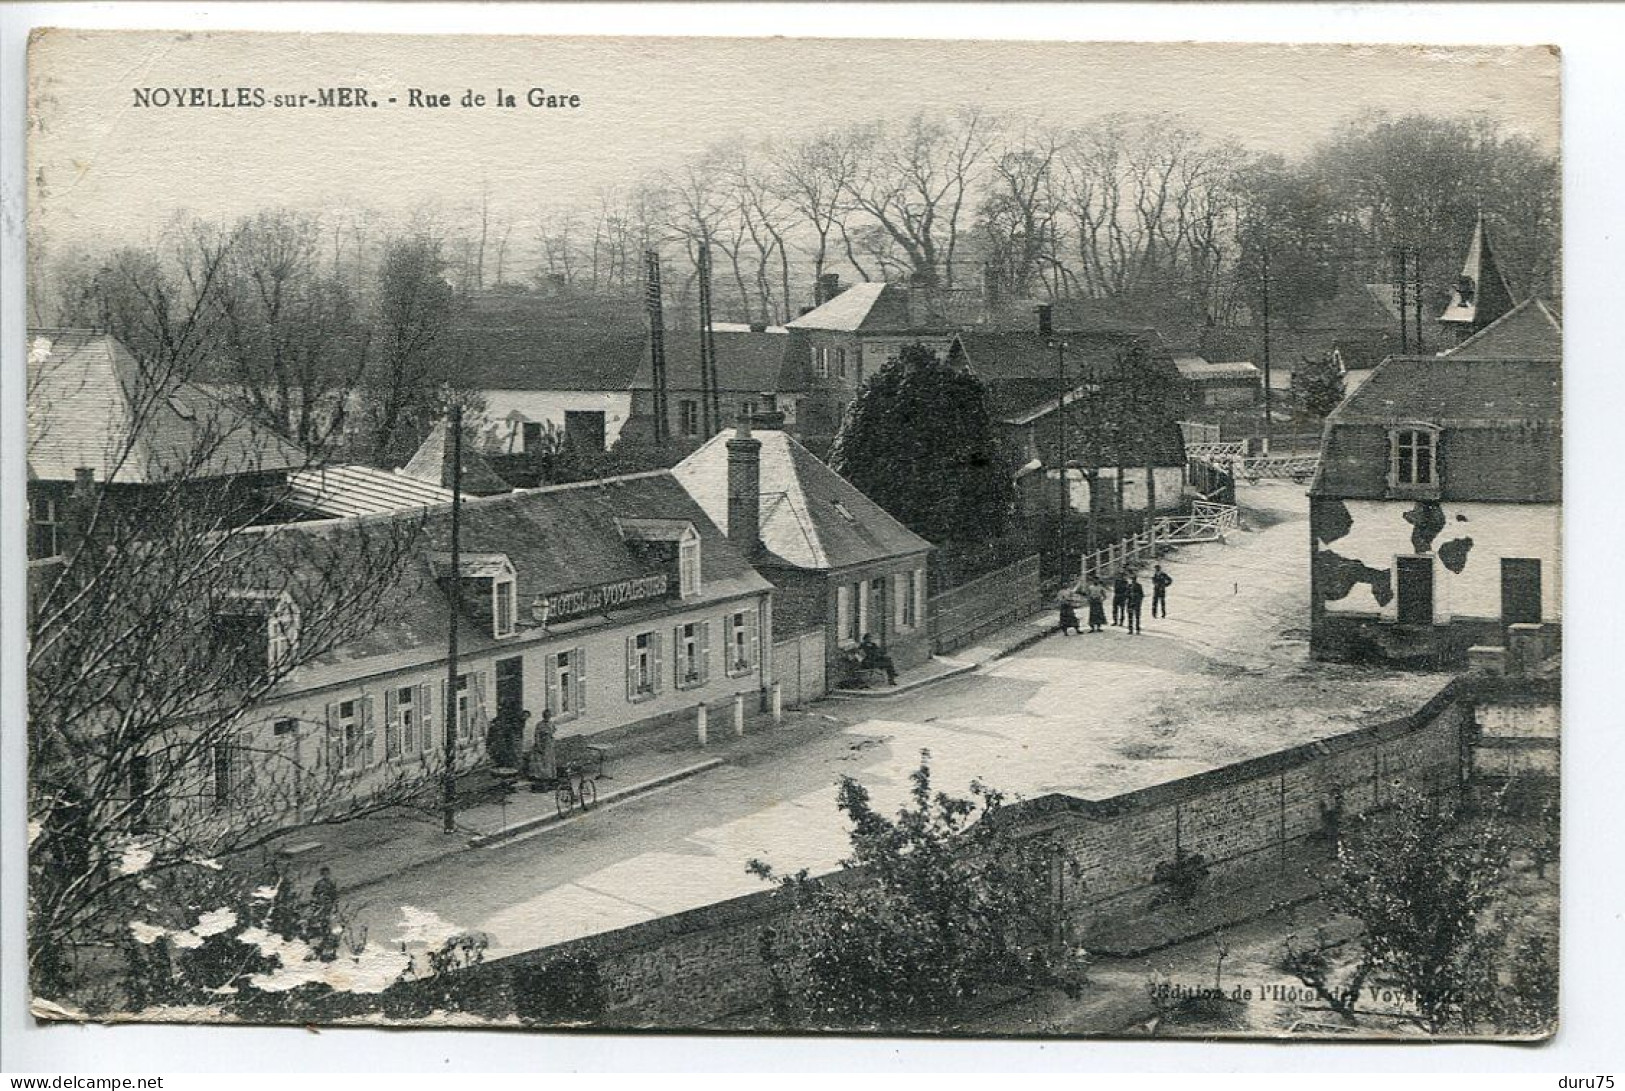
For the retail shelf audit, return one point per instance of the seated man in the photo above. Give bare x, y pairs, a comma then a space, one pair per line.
875, 658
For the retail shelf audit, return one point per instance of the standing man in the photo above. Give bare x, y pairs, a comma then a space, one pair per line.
1136, 598
1159, 592
1119, 598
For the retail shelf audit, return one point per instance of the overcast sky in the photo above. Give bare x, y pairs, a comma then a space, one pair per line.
101, 165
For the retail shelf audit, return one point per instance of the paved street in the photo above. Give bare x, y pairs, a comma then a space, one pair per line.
1224, 678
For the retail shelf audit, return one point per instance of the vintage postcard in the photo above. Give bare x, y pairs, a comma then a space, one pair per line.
613, 533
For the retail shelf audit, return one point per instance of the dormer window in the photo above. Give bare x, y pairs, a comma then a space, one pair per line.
258, 632
688, 565
489, 590
1413, 460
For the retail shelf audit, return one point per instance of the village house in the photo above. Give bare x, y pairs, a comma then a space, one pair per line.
535, 381
1121, 445
614, 605
1435, 515
752, 380
1221, 384
841, 567
100, 425
851, 334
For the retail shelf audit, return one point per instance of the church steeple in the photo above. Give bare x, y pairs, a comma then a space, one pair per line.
1481, 294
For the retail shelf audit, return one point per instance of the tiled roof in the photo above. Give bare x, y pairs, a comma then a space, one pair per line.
1530, 331
811, 517
341, 491
89, 405
559, 538
748, 362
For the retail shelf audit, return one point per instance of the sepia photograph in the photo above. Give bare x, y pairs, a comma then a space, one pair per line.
609, 534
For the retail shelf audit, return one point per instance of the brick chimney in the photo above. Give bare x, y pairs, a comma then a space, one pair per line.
1046, 319
827, 287
745, 490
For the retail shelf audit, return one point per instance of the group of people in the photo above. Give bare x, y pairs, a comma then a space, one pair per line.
1128, 599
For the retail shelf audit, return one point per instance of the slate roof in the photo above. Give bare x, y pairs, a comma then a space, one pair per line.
811, 517
433, 463
90, 405
558, 538
746, 361
1111, 443
340, 491
1021, 371
1491, 296
1449, 390
1500, 425
869, 307
533, 357
1530, 331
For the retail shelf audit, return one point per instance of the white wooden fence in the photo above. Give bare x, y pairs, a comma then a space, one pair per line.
1208, 521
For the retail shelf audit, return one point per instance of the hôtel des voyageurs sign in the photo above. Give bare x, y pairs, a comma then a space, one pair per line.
596, 600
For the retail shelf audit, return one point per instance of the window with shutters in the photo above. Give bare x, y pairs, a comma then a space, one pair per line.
231, 773
845, 616
840, 363
401, 734
566, 686
464, 704
689, 417
643, 666
353, 739
741, 642
692, 654
821, 362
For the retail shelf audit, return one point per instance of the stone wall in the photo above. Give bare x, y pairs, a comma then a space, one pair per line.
704, 966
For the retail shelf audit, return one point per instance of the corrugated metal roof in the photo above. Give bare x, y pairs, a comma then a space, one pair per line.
341, 491
1197, 370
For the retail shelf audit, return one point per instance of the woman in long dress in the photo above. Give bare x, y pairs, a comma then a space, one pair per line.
1097, 606
544, 755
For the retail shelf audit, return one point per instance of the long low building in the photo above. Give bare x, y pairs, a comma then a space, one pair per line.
612, 604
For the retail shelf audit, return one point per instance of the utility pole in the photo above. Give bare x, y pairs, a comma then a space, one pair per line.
654, 307
1066, 481
710, 402
1416, 296
449, 776
1269, 396
1404, 333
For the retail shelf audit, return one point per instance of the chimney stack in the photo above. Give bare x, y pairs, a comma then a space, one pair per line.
827, 287
745, 489
1046, 319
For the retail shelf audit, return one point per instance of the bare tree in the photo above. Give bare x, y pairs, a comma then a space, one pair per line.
154, 640
409, 365
813, 176
913, 182
292, 339
1018, 215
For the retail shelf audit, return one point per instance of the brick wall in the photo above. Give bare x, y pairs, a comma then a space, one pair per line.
704, 966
